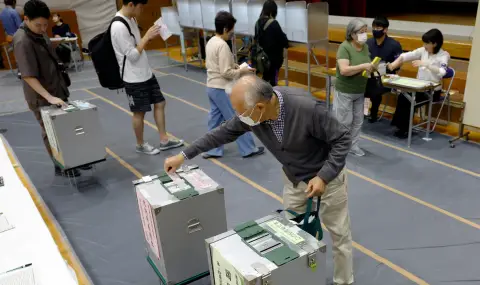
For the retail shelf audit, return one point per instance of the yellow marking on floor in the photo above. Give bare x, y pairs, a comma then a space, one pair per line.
65, 250
466, 171
359, 247
386, 187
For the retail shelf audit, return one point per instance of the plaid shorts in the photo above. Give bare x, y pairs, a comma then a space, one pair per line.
142, 95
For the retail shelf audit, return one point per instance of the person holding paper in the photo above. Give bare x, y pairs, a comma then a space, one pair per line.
353, 58
307, 140
387, 49
432, 63
272, 39
141, 85
221, 71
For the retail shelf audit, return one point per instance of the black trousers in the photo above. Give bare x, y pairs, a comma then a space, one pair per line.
401, 118
374, 92
271, 76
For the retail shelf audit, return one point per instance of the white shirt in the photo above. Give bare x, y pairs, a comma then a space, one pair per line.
438, 61
137, 68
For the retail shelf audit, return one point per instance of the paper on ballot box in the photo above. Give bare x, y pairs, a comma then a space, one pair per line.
164, 31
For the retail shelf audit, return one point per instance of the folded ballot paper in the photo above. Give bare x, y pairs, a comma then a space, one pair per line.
164, 31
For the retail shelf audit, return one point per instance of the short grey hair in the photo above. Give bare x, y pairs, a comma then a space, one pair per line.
354, 26
256, 89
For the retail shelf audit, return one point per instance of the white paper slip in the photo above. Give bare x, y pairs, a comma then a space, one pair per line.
4, 224
164, 31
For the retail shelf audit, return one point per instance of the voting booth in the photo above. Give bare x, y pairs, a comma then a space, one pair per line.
171, 20
209, 11
191, 22
178, 212
308, 24
271, 250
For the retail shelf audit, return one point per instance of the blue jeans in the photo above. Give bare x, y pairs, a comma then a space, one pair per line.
221, 110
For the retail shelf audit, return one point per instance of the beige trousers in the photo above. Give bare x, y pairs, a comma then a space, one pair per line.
334, 214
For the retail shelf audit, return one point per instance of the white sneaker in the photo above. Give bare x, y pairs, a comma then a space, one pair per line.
356, 150
146, 148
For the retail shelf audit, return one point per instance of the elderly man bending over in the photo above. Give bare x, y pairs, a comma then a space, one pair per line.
311, 145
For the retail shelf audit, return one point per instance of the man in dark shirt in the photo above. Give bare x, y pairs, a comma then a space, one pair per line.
43, 82
386, 48
307, 140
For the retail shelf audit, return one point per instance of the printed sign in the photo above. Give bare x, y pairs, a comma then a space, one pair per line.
200, 180
47, 122
224, 273
149, 224
284, 231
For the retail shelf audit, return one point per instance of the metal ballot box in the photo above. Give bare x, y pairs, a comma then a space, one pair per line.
74, 133
271, 250
179, 211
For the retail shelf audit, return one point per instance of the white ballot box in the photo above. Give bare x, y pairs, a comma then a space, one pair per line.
271, 250
179, 211
74, 133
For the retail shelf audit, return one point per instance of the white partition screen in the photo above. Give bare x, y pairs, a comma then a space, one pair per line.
317, 22
183, 13
254, 11
240, 12
195, 11
222, 5
281, 14
170, 18
208, 14
296, 21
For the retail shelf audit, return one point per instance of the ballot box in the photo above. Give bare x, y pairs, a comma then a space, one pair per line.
74, 133
272, 250
178, 212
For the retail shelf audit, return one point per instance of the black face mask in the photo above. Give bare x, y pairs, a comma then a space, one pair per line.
378, 33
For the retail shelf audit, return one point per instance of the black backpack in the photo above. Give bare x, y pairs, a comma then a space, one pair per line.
104, 59
259, 57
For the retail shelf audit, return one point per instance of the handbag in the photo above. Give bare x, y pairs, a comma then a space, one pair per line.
304, 221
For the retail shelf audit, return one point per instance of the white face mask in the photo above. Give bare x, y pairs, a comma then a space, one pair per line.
249, 121
362, 38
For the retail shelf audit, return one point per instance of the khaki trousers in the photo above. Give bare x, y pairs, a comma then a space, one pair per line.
334, 214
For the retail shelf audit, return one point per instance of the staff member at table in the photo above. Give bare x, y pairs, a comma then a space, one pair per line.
387, 49
432, 63
311, 145
353, 58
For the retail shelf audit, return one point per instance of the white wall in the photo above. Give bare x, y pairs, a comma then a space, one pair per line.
93, 16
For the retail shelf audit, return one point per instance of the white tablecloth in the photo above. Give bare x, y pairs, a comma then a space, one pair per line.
30, 241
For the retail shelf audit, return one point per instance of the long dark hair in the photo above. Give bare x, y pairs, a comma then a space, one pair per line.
269, 9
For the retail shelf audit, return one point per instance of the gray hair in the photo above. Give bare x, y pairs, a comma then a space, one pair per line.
256, 89
354, 26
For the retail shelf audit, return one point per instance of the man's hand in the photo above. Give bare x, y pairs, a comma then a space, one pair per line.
315, 188
152, 33
173, 163
56, 101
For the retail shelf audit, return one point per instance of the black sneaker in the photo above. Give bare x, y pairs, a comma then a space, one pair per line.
259, 151
401, 134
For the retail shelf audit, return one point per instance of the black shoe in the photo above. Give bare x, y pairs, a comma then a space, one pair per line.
401, 134
372, 120
206, 155
260, 150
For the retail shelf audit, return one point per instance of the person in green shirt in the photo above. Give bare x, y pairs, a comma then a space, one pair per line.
353, 58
